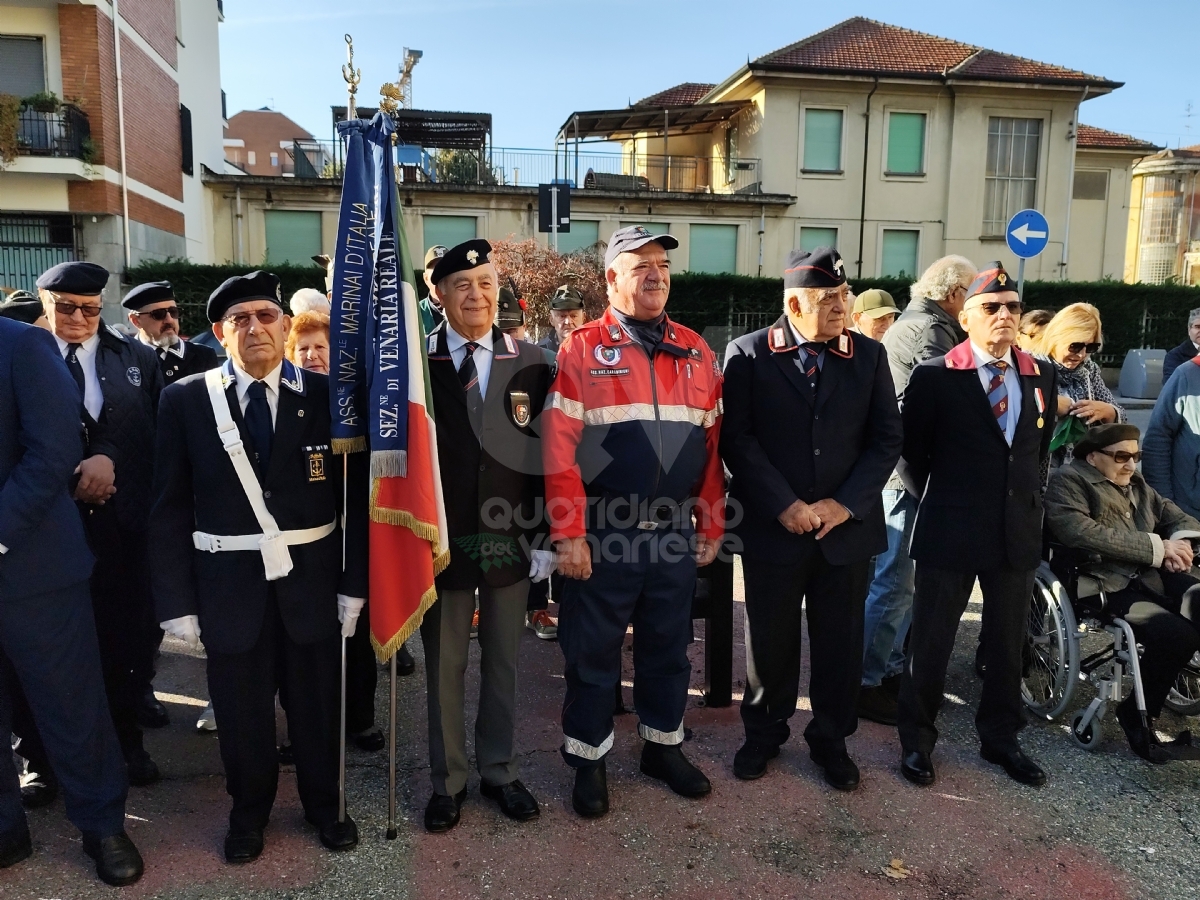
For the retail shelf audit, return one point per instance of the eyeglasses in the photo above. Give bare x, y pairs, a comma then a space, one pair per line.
63, 308
1081, 347
1122, 456
160, 315
264, 316
1014, 307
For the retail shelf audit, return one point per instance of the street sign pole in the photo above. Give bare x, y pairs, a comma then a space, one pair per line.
554, 216
1021, 280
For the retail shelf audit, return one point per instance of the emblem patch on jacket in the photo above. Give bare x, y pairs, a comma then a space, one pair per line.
315, 458
134, 376
608, 356
522, 412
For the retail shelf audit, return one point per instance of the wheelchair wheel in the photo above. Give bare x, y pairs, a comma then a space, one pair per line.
1092, 736
1051, 654
1184, 697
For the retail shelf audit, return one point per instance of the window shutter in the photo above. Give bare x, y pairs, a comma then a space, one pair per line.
900, 253
713, 249
906, 144
448, 231
583, 234
812, 238
823, 140
22, 66
292, 236
185, 139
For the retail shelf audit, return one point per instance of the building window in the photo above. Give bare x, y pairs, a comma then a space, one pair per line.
292, 236
822, 140
1090, 184
250, 158
906, 144
274, 160
22, 65
583, 234
448, 230
713, 248
900, 253
731, 152
29, 245
1162, 226
812, 238
1012, 165
185, 139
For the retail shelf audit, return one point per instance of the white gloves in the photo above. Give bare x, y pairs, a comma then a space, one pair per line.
348, 610
541, 564
186, 628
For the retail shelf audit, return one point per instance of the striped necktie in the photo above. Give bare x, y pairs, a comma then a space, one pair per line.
75, 367
808, 363
468, 375
998, 393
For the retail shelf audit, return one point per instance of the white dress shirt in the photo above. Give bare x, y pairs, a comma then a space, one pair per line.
457, 345
244, 380
93, 396
1012, 381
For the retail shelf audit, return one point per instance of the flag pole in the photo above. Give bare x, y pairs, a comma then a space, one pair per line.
391, 829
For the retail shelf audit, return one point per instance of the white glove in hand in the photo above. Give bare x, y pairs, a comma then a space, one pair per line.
348, 610
186, 628
541, 564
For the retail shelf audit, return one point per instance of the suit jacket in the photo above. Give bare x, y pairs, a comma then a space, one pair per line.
981, 500
1176, 357
40, 446
782, 444
492, 484
197, 489
184, 359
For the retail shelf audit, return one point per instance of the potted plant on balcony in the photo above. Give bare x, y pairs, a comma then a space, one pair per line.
43, 102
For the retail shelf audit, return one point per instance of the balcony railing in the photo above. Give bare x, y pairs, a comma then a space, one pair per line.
311, 159
62, 133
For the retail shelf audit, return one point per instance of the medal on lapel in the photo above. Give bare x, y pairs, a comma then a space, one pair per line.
521, 410
1041, 406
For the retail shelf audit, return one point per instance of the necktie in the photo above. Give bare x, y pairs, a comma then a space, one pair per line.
468, 375
258, 423
808, 362
75, 367
998, 393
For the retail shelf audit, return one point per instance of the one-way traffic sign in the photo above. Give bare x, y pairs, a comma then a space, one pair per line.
1027, 233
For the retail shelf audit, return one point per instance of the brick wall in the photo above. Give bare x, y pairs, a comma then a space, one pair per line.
154, 20
104, 198
151, 122
89, 74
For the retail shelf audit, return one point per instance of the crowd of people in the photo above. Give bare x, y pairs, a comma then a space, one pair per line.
869, 464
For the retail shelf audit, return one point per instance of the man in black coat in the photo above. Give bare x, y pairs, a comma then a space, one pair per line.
977, 426
249, 555
487, 390
811, 434
1177, 356
154, 312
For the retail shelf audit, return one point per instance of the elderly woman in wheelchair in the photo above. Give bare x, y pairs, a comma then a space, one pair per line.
1126, 557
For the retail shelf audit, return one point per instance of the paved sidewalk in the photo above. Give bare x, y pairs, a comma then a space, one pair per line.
1106, 825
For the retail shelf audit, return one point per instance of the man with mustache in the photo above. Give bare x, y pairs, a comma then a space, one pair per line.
154, 312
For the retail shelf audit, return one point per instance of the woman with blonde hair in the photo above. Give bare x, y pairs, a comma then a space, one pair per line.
308, 342
1069, 343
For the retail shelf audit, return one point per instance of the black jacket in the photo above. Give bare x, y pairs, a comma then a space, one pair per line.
781, 446
981, 500
196, 488
493, 485
1176, 357
184, 359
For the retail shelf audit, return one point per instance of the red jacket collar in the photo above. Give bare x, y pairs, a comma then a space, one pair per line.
612, 334
962, 357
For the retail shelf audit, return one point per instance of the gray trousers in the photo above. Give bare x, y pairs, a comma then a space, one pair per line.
446, 634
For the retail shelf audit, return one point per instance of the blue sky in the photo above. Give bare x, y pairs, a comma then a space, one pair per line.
530, 63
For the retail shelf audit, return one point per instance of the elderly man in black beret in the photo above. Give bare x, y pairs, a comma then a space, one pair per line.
811, 433
249, 555
977, 426
154, 312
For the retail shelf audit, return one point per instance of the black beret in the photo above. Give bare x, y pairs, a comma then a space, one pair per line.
1101, 436
992, 279
83, 278
461, 257
145, 294
239, 289
821, 267
22, 306
566, 298
631, 237
510, 310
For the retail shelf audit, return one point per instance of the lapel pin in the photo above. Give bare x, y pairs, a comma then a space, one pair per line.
300, 413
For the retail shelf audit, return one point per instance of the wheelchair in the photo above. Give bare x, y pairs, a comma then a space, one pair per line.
1071, 640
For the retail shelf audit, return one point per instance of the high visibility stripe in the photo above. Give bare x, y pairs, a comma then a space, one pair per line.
670, 738
578, 748
644, 412
565, 405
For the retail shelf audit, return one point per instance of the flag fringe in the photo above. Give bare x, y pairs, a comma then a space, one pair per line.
349, 445
384, 652
389, 463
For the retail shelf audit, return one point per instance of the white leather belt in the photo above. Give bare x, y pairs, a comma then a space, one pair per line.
217, 543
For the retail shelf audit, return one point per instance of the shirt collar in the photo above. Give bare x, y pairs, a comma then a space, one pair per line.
244, 379
177, 350
454, 340
86, 348
801, 340
983, 358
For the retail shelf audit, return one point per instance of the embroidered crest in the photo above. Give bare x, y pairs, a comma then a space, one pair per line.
843, 343
316, 465
1002, 278
614, 332
778, 339
431, 345
510, 344
472, 256
694, 352
279, 293
838, 267
134, 376
521, 410
608, 356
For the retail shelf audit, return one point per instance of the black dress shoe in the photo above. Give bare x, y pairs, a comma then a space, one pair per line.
338, 836
1141, 736
142, 770
371, 741
515, 800
878, 704
117, 861
1018, 766
405, 664
840, 770
590, 796
750, 762
917, 767
15, 846
666, 762
151, 713
40, 789
442, 812
243, 846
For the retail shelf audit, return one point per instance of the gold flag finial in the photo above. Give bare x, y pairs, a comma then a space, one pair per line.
352, 76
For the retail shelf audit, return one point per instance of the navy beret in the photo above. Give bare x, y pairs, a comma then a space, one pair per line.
145, 294
820, 267
239, 289
461, 257
631, 237
22, 306
992, 279
83, 278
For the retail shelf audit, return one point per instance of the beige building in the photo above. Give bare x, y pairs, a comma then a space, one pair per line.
1164, 218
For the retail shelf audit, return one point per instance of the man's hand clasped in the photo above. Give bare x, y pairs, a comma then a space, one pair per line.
96, 479
574, 558
1177, 555
822, 517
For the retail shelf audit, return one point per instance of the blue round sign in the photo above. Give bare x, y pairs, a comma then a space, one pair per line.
1027, 233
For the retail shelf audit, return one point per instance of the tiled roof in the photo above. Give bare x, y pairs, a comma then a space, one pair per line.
1091, 137
861, 45
684, 94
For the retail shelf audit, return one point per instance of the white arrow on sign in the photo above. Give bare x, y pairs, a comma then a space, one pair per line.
1023, 234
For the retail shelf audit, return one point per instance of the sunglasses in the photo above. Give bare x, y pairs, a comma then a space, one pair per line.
63, 308
992, 309
265, 317
1122, 456
161, 315
1081, 347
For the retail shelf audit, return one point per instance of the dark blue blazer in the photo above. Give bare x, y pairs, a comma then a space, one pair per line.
781, 444
41, 443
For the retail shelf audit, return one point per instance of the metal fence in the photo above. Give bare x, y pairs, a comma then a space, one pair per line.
626, 171
62, 133
29, 245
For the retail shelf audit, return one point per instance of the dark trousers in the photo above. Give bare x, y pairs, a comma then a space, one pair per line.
940, 600
242, 687
646, 578
833, 597
541, 593
50, 643
1168, 628
362, 676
